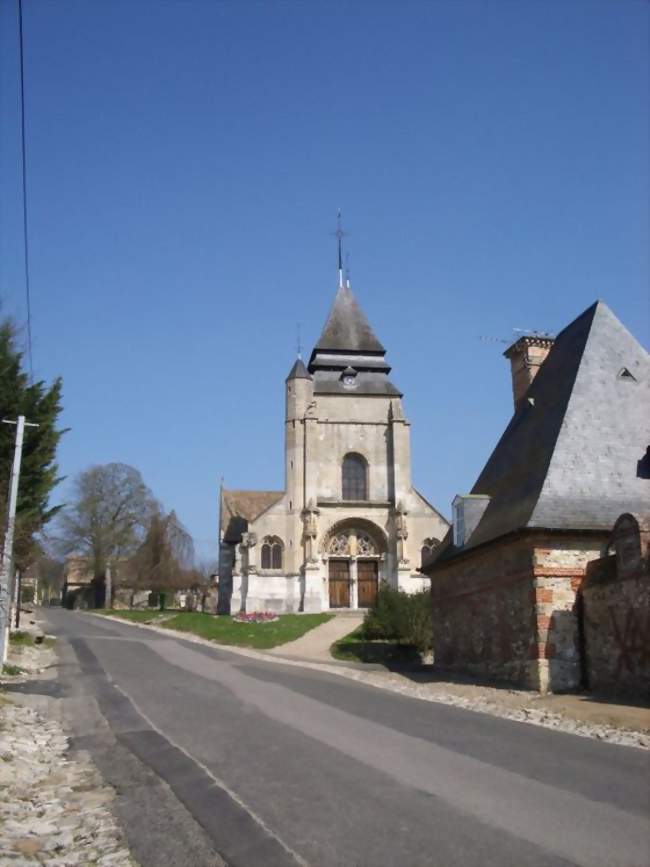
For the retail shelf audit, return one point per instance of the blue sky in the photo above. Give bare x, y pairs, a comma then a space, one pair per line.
185, 164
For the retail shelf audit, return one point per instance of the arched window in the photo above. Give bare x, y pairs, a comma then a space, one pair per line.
355, 478
426, 552
272, 553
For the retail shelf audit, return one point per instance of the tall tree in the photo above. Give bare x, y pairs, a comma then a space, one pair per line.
41, 404
164, 561
107, 518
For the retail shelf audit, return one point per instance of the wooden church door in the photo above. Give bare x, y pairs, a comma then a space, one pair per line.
339, 582
367, 576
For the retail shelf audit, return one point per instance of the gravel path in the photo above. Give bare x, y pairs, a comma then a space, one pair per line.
54, 807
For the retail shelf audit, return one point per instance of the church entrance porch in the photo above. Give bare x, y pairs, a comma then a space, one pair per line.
368, 581
339, 583
353, 550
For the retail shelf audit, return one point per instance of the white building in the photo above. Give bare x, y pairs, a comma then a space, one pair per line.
349, 516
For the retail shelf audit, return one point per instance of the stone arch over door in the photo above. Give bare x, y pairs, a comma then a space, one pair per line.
353, 548
348, 526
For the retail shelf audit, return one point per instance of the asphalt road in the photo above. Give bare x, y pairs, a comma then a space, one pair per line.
217, 758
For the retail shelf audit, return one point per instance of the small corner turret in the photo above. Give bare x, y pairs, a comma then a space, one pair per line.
298, 371
299, 391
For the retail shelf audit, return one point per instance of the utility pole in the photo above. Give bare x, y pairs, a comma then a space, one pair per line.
18, 589
8, 549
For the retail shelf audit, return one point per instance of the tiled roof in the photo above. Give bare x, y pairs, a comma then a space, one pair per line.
240, 507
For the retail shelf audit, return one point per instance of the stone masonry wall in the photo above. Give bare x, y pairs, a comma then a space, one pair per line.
559, 566
616, 595
508, 611
484, 614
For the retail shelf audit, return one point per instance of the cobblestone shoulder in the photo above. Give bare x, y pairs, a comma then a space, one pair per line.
55, 809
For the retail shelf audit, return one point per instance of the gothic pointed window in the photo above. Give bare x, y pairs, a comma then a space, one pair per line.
426, 552
272, 553
355, 478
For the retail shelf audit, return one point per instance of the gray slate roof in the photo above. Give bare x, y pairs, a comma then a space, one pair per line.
299, 371
348, 342
367, 383
347, 327
570, 459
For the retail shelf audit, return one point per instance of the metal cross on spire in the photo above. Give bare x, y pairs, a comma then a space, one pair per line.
339, 235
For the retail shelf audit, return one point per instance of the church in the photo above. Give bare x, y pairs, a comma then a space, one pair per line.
348, 517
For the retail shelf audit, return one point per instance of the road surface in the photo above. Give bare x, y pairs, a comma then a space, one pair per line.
220, 758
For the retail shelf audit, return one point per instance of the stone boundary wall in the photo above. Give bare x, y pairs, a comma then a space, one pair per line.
617, 629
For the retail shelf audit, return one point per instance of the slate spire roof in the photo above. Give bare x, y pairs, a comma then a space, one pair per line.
347, 328
570, 457
348, 344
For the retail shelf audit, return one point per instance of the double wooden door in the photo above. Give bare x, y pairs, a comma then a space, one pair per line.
339, 581
367, 581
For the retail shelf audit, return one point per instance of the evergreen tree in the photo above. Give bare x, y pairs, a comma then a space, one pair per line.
40, 404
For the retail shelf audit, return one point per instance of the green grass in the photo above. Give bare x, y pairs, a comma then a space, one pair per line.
355, 647
12, 670
136, 615
20, 638
225, 630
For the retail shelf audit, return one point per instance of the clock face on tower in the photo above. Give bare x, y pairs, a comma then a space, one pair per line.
349, 381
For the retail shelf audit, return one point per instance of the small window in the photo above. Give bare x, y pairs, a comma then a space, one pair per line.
626, 375
426, 552
355, 478
272, 553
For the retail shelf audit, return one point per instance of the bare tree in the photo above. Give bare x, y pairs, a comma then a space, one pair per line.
107, 519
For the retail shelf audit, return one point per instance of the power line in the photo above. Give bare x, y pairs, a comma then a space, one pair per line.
24, 161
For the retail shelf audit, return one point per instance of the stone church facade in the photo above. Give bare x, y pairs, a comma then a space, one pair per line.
349, 516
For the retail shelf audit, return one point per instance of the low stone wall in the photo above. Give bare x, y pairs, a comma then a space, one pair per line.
617, 629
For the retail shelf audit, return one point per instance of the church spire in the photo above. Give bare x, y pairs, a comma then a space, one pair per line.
339, 235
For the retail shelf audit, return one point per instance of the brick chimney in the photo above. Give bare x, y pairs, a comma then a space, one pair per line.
526, 357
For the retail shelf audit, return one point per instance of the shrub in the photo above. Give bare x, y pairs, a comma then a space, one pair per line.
402, 617
382, 620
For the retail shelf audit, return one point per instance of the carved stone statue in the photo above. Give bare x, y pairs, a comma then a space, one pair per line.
310, 522
401, 532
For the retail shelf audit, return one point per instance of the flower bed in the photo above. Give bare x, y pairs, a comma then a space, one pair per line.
255, 617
